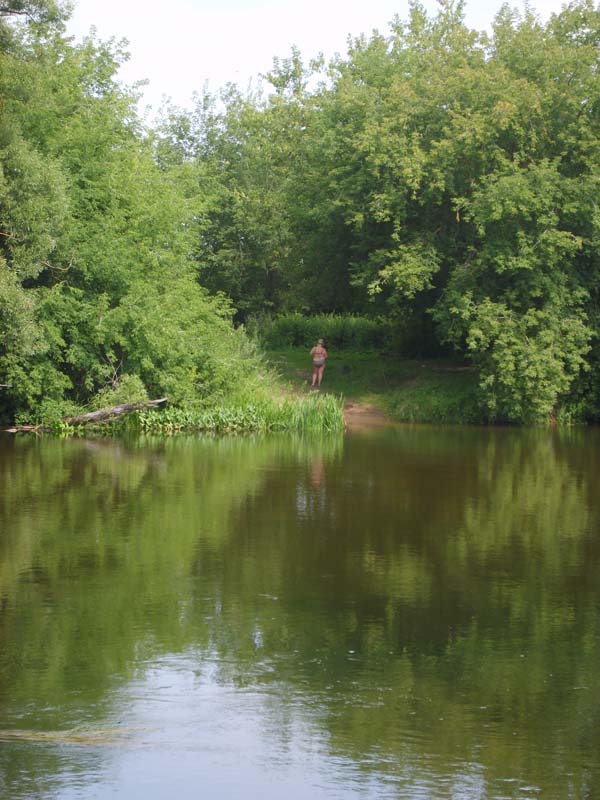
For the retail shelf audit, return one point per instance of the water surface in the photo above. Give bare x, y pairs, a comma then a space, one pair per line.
398, 613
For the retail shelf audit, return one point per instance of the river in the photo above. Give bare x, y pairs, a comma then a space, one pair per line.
400, 612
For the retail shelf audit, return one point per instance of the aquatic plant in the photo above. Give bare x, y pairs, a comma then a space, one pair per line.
311, 413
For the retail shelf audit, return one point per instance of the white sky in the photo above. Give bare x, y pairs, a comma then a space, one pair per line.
180, 45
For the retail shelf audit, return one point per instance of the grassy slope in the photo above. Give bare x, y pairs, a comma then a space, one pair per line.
406, 390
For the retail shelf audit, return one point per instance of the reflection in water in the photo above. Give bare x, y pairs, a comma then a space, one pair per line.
401, 613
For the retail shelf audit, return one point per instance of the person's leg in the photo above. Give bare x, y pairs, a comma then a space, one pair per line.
320, 376
314, 375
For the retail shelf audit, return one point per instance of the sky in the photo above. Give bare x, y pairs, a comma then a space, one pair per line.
180, 46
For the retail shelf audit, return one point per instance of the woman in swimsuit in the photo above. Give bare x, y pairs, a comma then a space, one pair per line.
319, 356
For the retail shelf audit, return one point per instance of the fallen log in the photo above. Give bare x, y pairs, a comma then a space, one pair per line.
102, 415
105, 414
17, 428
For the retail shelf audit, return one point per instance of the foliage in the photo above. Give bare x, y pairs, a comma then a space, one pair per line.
49, 413
443, 177
308, 414
526, 361
124, 389
434, 177
97, 289
442, 396
342, 332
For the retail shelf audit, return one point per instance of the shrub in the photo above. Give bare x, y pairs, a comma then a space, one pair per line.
127, 389
444, 398
342, 332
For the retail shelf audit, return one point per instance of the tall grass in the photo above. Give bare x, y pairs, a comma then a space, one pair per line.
438, 398
304, 414
342, 332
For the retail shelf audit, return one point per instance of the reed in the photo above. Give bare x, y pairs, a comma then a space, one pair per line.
302, 414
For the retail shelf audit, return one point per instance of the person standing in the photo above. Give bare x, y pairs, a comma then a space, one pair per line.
319, 356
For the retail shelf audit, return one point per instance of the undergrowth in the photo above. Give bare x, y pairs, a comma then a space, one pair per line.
443, 397
340, 331
310, 414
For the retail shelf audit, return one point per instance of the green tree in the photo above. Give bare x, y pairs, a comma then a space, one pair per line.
96, 280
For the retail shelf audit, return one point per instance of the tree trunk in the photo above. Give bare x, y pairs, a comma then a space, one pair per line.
102, 415
108, 413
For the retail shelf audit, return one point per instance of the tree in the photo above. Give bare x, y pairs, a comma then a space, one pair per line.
96, 279
438, 174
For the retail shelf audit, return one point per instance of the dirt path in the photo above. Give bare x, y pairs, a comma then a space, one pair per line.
356, 415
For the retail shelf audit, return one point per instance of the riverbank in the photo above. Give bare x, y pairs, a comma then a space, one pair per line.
382, 386
360, 389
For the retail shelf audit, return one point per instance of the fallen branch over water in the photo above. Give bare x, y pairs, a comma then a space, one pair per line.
25, 429
102, 415
105, 414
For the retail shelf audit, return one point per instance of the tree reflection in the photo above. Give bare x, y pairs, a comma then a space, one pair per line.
427, 593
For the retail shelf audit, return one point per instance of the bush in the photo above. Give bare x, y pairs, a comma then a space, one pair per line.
49, 413
127, 389
342, 332
444, 398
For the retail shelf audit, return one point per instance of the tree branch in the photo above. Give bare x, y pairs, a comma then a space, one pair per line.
103, 415
60, 269
10, 236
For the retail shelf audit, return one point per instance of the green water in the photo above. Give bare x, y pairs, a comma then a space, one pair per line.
401, 613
